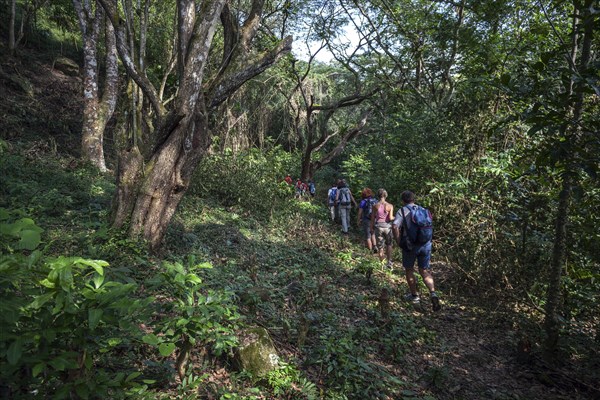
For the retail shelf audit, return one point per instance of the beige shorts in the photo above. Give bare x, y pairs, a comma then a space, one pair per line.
383, 232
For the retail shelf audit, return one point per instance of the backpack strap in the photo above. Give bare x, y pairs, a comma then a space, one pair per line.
404, 227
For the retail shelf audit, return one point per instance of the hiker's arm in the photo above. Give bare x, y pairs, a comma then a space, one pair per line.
354, 201
391, 214
359, 217
396, 226
373, 213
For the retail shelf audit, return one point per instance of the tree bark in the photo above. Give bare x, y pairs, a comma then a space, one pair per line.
97, 110
313, 131
11, 27
153, 180
572, 134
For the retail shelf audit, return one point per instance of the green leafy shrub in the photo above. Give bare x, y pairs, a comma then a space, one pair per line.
252, 180
287, 382
62, 320
343, 359
193, 316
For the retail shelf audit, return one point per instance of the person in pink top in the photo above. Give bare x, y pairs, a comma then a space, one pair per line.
381, 218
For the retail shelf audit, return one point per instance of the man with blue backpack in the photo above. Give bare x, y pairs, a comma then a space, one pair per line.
331, 196
413, 229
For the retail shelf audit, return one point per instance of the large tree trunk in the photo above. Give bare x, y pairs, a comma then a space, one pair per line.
153, 176
572, 134
97, 110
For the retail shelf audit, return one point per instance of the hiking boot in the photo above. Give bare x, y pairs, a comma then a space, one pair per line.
390, 266
413, 298
435, 303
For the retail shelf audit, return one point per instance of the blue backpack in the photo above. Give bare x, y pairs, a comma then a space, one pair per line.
332, 195
368, 207
420, 230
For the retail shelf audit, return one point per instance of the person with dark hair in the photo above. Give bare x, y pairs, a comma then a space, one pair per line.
344, 201
312, 189
381, 218
365, 208
299, 188
414, 250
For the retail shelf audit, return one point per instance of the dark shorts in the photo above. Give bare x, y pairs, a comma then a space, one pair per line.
421, 254
366, 229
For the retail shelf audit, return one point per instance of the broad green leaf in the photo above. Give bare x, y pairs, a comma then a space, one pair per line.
30, 239
33, 258
132, 376
151, 339
66, 278
98, 280
94, 316
13, 354
47, 283
37, 369
165, 349
96, 264
193, 278
41, 300
61, 363
112, 342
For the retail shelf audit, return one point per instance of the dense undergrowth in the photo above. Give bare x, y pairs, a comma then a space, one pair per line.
91, 314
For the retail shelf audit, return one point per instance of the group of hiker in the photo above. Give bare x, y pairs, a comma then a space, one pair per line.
301, 189
411, 228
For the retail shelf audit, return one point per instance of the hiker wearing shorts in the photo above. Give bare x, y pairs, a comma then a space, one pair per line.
420, 253
381, 218
365, 209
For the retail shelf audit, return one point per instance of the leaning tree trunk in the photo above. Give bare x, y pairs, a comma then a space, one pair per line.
166, 180
153, 176
311, 166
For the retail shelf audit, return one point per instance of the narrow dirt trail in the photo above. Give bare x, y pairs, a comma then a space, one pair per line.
475, 353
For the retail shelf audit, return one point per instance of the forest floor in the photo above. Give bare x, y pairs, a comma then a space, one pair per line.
315, 283
476, 347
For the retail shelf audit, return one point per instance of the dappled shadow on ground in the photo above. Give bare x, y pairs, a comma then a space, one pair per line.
479, 353
302, 284
306, 284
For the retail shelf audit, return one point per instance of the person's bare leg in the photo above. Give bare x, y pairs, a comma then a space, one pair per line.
428, 279
411, 280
